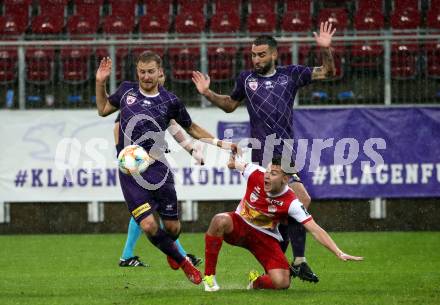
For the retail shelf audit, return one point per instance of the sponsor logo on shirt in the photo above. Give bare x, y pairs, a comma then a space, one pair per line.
283, 80
268, 84
275, 202
131, 99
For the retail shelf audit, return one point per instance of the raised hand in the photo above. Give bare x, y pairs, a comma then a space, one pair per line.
324, 37
104, 69
201, 81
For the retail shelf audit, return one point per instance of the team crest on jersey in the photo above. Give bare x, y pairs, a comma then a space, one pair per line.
283, 80
253, 85
131, 99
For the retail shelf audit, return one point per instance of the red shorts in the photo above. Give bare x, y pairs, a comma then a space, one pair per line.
265, 248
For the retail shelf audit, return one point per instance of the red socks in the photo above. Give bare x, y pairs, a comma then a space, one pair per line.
212, 248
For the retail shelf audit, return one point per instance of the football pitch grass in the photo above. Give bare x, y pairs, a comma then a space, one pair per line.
399, 268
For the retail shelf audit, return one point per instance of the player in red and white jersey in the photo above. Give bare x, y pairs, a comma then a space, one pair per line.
254, 226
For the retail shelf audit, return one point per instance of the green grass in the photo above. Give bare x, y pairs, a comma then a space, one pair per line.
399, 268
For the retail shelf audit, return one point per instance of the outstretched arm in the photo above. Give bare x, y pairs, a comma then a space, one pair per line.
324, 239
324, 39
224, 102
187, 143
102, 102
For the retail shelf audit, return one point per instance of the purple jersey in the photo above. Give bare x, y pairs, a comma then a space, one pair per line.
269, 101
147, 118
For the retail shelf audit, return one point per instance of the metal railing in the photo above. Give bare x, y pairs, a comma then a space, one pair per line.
380, 70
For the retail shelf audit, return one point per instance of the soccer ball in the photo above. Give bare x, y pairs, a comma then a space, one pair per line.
133, 159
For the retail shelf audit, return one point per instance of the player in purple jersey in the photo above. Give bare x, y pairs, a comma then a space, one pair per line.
146, 110
269, 92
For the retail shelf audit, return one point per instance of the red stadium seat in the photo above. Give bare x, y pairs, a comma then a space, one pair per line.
224, 22
47, 24
433, 60
193, 6
135, 52
153, 24
125, 8
190, 23
261, 22
8, 65
78, 25
404, 60
91, 8
183, 61
221, 63
262, 6
298, 5
376, 5
297, 21
39, 65
20, 10
75, 64
405, 19
9, 27
160, 8
369, 20
227, 6
53, 7
400, 5
118, 24
337, 16
433, 18
367, 55
285, 54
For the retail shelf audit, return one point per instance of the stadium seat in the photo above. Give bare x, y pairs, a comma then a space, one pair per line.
123, 8
433, 19
79, 25
75, 64
298, 5
10, 28
193, 6
89, 8
227, 6
433, 60
221, 63
285, 54
153, 24
8, 65
160, 8
405, 19
118, 24
404, 60
376, 5
262, 6
296, 21
53, 7
183, 61
337, 16
223, 22
400, 5
39, 65
367, 55
369, 20
20, 10
47, 24
190, 23
261, 22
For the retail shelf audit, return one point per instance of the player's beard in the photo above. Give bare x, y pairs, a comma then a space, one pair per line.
263, 70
